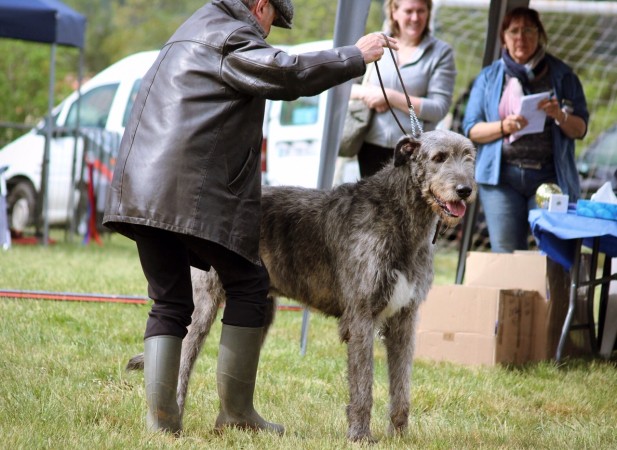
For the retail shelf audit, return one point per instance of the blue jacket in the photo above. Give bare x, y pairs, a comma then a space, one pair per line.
483, 107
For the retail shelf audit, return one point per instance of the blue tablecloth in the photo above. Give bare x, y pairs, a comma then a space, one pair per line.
556, 234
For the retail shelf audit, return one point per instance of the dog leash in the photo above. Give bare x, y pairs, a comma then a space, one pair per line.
416, 127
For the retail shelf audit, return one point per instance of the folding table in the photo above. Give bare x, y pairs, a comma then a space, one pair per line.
561, 236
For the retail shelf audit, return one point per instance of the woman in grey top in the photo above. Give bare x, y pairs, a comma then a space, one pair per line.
428, 71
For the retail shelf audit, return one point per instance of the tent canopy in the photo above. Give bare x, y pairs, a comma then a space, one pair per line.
47, 21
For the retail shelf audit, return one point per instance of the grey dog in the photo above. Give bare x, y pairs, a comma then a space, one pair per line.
361, 252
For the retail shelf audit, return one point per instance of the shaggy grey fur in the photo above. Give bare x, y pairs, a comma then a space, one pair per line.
362, 253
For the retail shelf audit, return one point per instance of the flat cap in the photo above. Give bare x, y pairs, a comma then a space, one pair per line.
285, 13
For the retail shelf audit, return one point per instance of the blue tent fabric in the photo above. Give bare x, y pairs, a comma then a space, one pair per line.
47, 21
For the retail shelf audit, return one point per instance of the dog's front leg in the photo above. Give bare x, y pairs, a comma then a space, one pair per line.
359, 337
399, 335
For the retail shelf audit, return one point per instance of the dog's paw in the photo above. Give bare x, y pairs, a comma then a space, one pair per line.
397, 430
363, 437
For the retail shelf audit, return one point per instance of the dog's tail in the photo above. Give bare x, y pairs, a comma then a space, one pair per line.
135, 363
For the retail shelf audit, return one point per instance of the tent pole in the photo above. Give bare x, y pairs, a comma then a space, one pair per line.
71, 207
349, 25
48, 137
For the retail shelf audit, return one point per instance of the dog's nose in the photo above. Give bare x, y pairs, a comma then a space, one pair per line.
463, 190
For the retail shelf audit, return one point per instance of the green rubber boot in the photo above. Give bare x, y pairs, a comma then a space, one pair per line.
235, 379
161, 366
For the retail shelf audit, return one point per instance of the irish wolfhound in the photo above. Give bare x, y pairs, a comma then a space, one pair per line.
362, 253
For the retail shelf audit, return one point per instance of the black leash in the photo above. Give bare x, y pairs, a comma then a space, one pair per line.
416, 127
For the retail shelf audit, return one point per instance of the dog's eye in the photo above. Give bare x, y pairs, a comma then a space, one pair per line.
439, 157
469, 155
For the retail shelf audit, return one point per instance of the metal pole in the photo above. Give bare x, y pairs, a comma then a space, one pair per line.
71, 206
351, 16
48, 137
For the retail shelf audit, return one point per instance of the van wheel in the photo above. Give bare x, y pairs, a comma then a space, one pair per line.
21, 206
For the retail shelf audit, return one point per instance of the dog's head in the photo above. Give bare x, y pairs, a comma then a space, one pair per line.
441, 165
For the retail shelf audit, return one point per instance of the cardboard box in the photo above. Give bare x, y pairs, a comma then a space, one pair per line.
598, 210
532, 271
477, 325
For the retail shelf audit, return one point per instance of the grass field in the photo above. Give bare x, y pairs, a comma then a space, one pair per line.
63, 383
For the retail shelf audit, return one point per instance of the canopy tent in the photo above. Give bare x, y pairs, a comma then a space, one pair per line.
48, 21
51, 22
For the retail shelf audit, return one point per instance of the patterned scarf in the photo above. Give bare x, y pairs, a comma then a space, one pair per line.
525, 73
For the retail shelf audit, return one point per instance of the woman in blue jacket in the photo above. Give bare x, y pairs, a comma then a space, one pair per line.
510, 167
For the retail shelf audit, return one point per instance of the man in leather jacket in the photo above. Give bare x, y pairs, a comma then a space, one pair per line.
187, 186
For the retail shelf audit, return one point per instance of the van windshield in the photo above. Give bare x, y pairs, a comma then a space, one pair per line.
94, 108
129, 105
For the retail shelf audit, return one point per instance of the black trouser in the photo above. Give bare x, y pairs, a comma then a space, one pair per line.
372, 158
166, 259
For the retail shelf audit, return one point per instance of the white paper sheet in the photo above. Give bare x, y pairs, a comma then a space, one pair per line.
535, 117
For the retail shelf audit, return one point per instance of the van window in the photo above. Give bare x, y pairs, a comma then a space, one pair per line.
303, 111
95, 106
129, 105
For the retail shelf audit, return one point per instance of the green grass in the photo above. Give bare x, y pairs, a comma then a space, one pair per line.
63, 383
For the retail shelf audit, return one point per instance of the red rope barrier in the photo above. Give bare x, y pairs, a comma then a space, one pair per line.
97, 298
69, 296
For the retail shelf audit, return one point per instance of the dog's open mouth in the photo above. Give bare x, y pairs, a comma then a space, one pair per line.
452, 209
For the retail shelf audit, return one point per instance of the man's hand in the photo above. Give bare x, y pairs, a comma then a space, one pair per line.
372, 46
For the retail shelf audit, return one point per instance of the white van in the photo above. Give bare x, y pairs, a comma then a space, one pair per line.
106, 101
294, 136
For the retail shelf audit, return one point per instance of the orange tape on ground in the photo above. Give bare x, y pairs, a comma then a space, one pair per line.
99, 298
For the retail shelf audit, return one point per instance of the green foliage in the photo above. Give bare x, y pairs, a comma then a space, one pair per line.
315, 19
24, 81
117, 28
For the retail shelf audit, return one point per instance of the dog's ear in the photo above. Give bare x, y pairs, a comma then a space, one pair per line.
404, 149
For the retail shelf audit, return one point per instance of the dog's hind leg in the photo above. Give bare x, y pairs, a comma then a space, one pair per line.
270, 313
399, 335
359, 337
208, 295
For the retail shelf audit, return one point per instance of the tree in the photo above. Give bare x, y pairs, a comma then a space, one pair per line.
24, 82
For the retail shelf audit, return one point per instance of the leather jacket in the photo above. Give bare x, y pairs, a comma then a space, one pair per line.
189, 160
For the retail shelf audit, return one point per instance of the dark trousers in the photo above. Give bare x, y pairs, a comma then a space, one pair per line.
166, 260
372, 158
